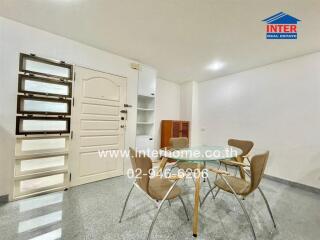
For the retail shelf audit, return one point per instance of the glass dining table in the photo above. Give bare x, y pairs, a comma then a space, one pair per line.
200, 155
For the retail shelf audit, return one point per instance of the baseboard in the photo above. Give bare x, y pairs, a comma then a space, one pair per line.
293, 184
4, 199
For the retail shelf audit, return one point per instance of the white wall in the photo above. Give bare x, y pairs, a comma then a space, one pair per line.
189, 109
186, 98
167, 105
16, 38
277, 106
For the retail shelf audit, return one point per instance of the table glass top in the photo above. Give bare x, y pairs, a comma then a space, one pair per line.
202, 153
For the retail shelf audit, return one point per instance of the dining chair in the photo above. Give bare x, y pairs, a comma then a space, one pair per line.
240, 187
181, 143
178, 144
157, 189
245, 147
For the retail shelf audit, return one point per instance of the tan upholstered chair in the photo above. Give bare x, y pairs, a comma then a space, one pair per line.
157, 188
246, 147
180, 143
240, 187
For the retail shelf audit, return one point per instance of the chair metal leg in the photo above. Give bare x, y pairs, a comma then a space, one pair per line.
218, 169
268, 206
184, 206
215, 196
236, 171
194, 181
125, 203
159, 208
169, 203
205, 197
219, 165
242, 206
209, 183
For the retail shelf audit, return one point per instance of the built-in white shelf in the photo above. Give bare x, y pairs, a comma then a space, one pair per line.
145, 109
145, 123
144, 136
146, 96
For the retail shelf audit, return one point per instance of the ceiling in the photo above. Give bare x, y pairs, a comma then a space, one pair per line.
180, 38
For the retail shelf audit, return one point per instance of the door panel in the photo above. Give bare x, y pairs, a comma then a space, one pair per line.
99, 140
100, 109
95, 88
99, 125
99, 98
92, 164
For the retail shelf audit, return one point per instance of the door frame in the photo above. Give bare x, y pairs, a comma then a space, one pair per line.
72, 151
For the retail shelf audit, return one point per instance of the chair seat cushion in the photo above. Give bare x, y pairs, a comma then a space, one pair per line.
240, 186
188, 165
158, 188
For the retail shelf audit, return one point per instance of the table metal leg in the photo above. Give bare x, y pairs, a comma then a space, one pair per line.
196, 204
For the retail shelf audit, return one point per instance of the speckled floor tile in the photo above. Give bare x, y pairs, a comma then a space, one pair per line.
92, 211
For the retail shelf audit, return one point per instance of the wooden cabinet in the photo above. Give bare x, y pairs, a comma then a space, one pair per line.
173, 128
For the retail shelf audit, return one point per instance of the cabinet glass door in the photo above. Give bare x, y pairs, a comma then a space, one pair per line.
185, 129
175, 129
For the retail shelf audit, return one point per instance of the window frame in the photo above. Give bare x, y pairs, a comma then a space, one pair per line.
41, 152
36, 191
19, 172
44, 99
23, 77
35, 58
19, 118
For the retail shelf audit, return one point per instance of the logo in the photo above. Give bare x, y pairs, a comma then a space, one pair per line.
281, 26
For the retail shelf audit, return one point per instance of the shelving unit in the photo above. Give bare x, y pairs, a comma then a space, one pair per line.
145, 108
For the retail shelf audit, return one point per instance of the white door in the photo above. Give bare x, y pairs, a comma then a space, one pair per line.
97, 125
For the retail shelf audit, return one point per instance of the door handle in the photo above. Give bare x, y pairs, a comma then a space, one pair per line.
123, 111
122, 126
127, 105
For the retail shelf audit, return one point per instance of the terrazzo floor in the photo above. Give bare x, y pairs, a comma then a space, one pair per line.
92, 211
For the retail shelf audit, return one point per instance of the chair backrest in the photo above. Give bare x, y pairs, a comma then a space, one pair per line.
244, 145
141, 164
257, 167
179, 143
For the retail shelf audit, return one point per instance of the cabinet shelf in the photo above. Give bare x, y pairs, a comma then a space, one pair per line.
145, 109
146, 96
145, 123
144, 136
